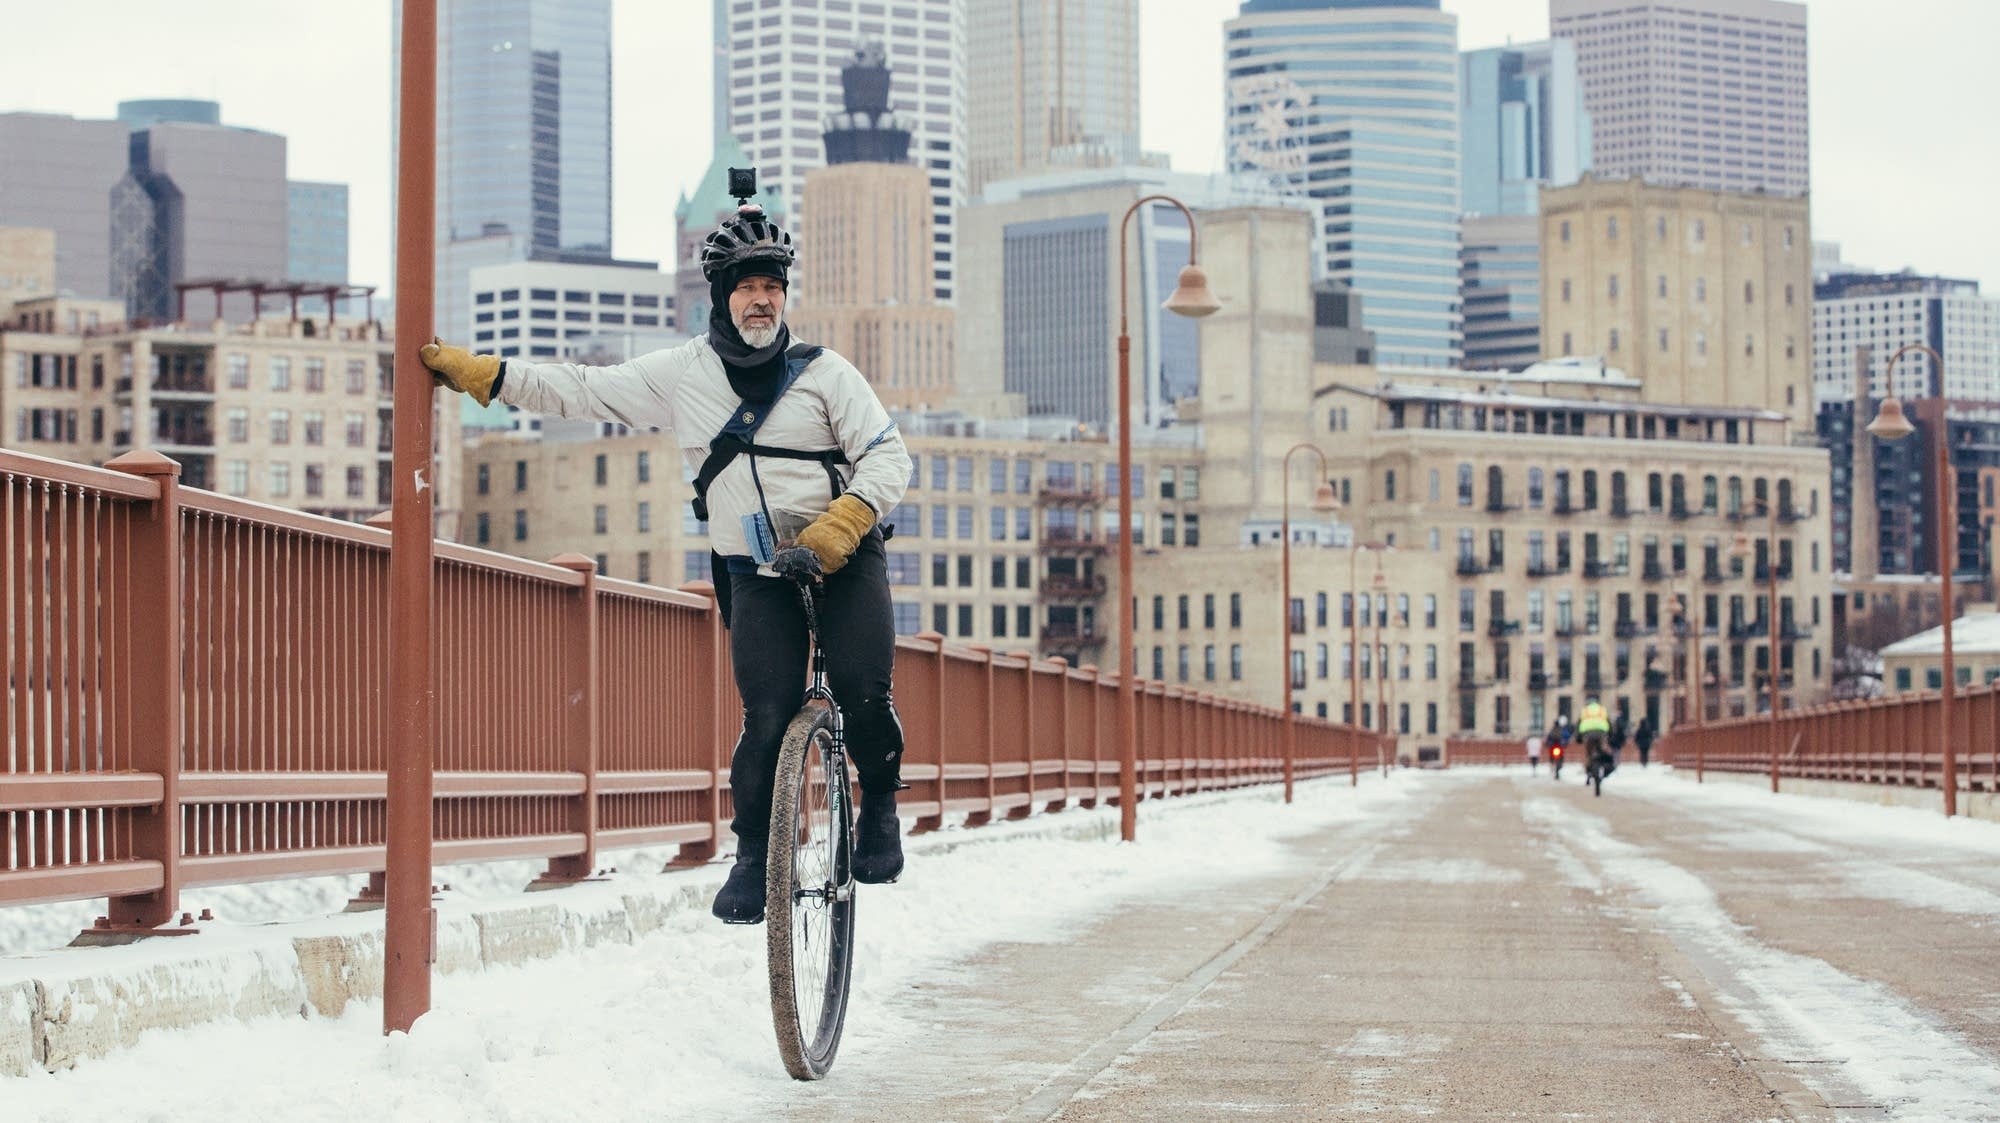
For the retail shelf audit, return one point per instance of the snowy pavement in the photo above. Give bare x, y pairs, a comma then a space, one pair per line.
1471, 944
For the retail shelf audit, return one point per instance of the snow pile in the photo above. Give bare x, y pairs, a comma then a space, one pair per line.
678, 1025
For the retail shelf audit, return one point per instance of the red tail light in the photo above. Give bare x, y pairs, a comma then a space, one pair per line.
1556, 752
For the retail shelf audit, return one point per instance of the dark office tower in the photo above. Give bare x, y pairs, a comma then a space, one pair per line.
865, 130
56, 173
198, 202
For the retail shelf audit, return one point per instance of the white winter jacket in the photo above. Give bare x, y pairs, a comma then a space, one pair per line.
686, 390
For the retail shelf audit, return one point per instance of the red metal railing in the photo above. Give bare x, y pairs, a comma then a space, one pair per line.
1484, 750
197, 694
1879, 741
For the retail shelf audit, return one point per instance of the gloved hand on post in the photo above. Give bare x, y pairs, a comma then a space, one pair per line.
834, 535
461, 370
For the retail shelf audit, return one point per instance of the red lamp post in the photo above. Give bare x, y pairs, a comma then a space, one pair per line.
1891, 425
1325, 503
1192, 299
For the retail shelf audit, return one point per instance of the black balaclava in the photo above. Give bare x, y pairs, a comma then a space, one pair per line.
754, 374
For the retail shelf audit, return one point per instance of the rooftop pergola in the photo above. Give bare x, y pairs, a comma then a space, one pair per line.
258, 290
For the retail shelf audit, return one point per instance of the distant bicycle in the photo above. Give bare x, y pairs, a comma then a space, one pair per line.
809, 872
1597, 762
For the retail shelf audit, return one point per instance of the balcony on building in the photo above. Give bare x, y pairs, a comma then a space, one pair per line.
1070, 587
1068, 491
1503, 628
1072, 634
1598, 569
1068, 539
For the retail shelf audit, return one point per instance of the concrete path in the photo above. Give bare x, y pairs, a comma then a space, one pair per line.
1513, 949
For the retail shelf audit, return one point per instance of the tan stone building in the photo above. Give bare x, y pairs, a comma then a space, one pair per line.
294, 413
1534, 539
1704, 296
27, 265
1917, 663
866, 281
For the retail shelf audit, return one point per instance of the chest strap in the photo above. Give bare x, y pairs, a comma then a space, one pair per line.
738, 438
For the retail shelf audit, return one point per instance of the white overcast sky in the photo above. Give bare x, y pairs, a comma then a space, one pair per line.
1905, 134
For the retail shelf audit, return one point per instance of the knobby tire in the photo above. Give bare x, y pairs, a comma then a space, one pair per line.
811, 939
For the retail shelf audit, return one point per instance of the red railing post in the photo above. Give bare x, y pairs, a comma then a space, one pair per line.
1062, 730
582, 695
716, 699
984, 815
1027, 807
941, 732
154, 706
1093, 729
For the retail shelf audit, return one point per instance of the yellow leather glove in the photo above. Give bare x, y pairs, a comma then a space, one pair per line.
833, 536
461, 370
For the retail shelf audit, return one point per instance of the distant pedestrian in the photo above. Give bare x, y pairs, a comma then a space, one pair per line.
1621, 731
1644, 737
1534, 753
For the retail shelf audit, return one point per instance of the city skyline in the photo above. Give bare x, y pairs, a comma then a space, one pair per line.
1881, 111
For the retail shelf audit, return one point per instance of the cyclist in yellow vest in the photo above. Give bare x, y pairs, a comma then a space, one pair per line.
1593, 724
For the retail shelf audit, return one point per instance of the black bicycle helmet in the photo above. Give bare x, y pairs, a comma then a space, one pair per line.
749, 236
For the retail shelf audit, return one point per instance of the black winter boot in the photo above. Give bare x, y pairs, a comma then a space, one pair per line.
878, 840
741, 900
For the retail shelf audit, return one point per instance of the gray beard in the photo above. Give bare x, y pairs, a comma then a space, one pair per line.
760, 338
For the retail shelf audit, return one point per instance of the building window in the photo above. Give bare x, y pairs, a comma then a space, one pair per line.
1235, 662
520, 525
645, 516
280, 480
357, 482
281, 374
1236, 610
281, 427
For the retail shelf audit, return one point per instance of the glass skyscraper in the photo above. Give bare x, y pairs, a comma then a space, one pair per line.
1523, 128
524, 136
1354, 103
1523, 124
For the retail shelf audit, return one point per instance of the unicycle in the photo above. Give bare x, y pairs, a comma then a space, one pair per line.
809, 879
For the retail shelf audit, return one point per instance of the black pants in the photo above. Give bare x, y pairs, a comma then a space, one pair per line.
767, 632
